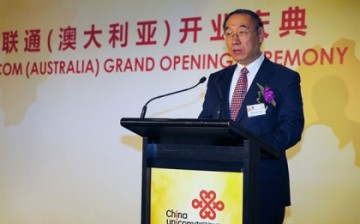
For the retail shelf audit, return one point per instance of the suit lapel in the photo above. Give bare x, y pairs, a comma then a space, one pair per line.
223, 83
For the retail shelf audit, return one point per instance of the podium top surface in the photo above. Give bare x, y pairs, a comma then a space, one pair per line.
193, 131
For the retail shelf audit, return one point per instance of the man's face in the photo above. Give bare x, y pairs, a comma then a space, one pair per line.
242, 39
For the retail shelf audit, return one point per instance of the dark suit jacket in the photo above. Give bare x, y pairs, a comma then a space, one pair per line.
281, 126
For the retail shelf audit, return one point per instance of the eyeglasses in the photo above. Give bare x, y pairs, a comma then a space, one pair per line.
229, 35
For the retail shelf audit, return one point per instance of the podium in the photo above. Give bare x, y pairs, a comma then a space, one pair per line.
195, 145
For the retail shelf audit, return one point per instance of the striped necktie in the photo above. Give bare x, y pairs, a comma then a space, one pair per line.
239, 93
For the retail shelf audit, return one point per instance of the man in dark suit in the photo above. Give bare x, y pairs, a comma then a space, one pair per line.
271, 105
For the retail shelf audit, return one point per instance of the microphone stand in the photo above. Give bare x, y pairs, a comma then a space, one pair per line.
143, 111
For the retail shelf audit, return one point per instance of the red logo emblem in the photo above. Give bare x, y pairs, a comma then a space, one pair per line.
207, 204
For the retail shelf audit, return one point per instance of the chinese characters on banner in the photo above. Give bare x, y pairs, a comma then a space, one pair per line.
293, 22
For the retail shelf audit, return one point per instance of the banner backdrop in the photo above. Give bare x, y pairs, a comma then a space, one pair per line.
71, 69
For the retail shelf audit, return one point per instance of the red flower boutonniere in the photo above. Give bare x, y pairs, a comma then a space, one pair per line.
266, 95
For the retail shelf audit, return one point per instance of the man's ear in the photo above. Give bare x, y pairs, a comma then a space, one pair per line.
261, 33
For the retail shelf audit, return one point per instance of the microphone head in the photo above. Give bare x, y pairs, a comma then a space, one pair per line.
203, 79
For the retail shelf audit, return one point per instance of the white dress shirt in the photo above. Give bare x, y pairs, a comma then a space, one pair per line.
253, 68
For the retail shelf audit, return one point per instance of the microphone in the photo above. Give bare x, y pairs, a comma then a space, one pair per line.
142, 115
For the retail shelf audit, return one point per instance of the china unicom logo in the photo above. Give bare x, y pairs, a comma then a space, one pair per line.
207, 204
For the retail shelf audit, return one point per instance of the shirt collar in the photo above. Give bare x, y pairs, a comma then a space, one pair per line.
254, 66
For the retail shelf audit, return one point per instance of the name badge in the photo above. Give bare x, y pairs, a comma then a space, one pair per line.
256, 110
